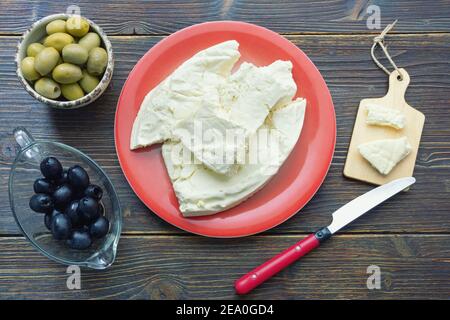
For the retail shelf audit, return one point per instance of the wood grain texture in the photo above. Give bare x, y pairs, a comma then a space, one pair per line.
413, 267
287, 16
345, 63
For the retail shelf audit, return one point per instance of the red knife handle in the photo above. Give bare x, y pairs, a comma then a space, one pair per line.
265, 271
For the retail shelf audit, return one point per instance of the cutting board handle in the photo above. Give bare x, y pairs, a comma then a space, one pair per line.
398, 85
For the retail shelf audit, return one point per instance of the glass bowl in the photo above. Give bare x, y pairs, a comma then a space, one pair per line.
25, 171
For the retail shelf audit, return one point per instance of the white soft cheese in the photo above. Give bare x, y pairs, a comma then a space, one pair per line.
384, 154
214, 141
180, 94
210, 175
201, 191
382, 116
245, 102
251, 92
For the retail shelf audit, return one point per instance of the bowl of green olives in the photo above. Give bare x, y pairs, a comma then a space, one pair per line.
65, 61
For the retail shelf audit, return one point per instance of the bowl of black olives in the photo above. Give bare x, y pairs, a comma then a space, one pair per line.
65, 61
64, 203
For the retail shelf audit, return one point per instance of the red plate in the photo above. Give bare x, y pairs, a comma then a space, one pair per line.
298, 178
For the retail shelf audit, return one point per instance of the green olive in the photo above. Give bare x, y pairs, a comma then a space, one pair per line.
34, 48
74, 53
67, 73
28, 71
56, 26
77, 26
58, 40
97, 61
72, 91
47, 88
90, 41
46, 60
88, 82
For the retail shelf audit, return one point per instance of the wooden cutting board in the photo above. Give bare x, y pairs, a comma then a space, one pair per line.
356, 167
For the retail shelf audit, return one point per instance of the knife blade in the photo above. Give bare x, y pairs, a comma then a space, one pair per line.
341, 217
357, 207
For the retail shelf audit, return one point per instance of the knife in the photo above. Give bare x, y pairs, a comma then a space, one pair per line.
342, 217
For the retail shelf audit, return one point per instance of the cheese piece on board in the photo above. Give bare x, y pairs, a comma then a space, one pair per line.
384, 154
381, 116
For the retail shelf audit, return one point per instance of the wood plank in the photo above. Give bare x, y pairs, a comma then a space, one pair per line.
161, 267
289, 16
351, 75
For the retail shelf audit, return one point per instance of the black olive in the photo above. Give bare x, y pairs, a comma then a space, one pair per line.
88, 208
99, 228
41, 203
49, 217
61, 227
78, 178
74, 214
83, 228
51, 168
63, 179
80, 239
77, 194
62, 196
43, 186
94, 191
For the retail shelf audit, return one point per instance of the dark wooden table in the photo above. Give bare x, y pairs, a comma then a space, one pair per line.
408, 238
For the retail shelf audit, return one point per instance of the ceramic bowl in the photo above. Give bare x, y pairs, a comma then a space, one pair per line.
35, 34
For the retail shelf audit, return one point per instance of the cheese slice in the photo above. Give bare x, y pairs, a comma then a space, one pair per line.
382, 116
384, 154
180, 95
201, 191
